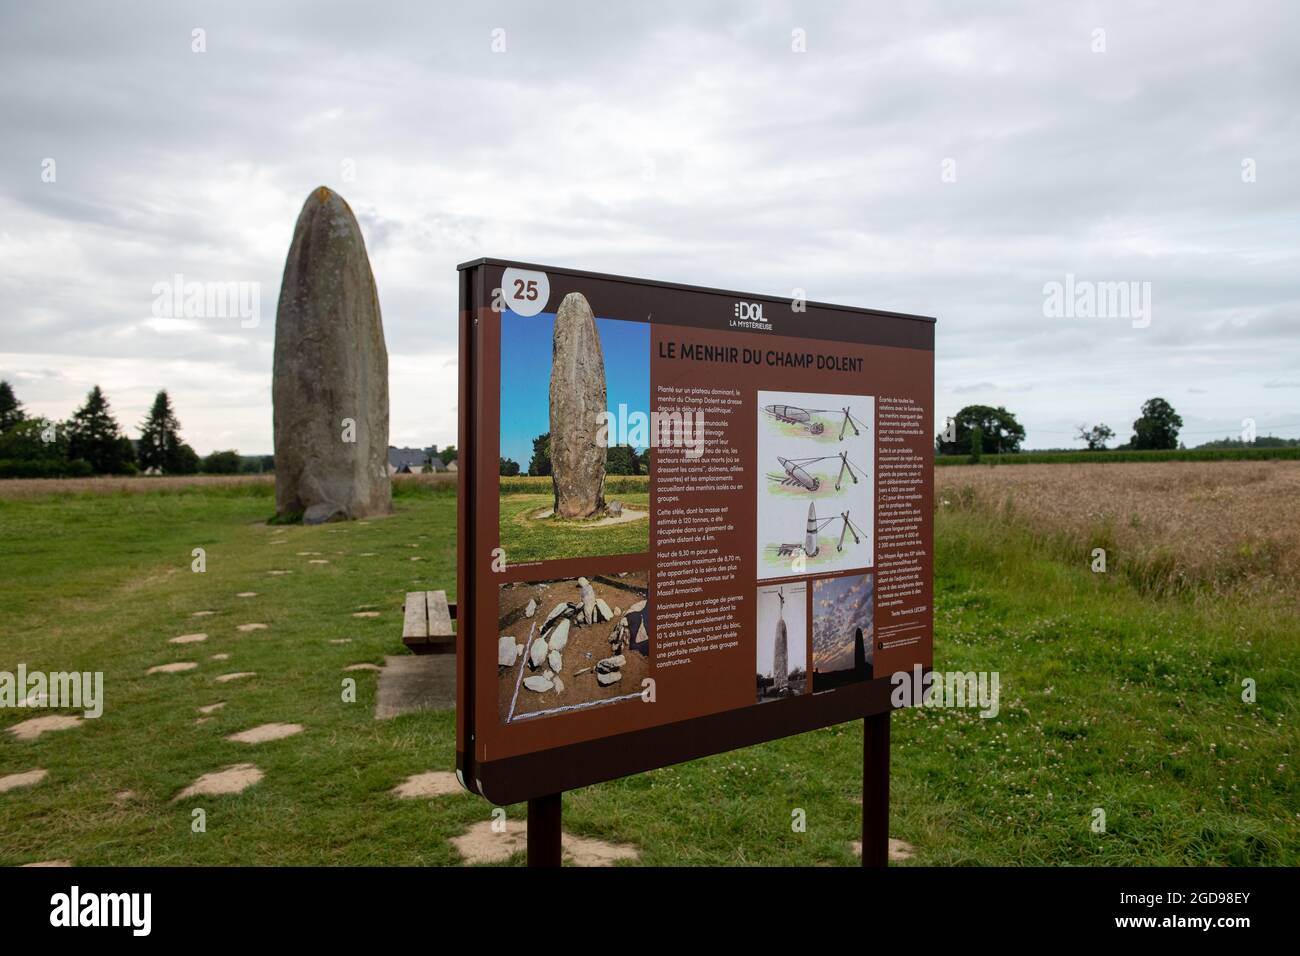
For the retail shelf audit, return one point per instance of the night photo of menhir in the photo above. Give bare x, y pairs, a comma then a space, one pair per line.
852, 443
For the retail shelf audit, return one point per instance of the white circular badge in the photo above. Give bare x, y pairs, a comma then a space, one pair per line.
525, 292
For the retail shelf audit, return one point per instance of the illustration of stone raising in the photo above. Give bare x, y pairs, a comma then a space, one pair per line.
578, 400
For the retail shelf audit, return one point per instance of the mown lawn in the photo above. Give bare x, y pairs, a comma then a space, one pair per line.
527, 538
1109, 700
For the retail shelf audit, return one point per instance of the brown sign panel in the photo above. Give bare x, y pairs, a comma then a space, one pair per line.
690, 520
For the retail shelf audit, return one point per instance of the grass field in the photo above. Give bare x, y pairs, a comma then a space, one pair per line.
1113, 697
524, 537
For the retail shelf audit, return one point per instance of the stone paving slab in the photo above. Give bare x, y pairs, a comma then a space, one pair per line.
410, 683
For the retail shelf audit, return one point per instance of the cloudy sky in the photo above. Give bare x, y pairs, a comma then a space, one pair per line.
840, 607
919, 157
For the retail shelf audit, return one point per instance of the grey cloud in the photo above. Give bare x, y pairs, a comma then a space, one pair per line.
771, 171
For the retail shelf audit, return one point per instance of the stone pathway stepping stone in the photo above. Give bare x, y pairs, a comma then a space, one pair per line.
412, 682
436, 783
417, 558
211, 708
898, 850
203, 613
220, 657
246, 594
245, 628
307, 554
319, 561
31, 729
481, 844
367, 554
362, 667
233, 779
265, 732
49, 863
278, 573
238, 675
27, 779
173, 668
188, 639
341, 640
122, 796
365, 614
200, 721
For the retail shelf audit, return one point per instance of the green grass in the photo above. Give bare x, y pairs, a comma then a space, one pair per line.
525, 538
1109, 699
1113, 455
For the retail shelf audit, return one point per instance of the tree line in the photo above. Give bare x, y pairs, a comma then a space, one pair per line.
92, 442
983, 430
619, 460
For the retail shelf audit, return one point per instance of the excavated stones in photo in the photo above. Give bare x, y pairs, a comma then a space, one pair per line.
330, 383
577, 399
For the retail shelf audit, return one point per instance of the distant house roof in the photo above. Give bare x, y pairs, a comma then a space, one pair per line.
436, 464
405, 459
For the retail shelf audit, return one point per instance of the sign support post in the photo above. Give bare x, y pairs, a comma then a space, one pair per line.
544, 830
875, 790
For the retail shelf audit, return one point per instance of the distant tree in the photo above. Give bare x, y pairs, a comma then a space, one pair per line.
11, 410
94, 435
999, 431
1263, 441
1158, 426
540, 463
34, 439
621, 460
448, 454
184, 460
509, 467
222, 463
1096, 436
976, 442
160, 439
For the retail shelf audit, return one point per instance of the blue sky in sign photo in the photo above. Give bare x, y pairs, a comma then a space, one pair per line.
526, 376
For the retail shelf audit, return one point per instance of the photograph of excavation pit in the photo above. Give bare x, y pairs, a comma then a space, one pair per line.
575, 397
571, 644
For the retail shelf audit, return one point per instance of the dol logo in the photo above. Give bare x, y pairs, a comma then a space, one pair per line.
749, 311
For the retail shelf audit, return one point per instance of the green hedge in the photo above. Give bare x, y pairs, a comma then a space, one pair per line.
47, 468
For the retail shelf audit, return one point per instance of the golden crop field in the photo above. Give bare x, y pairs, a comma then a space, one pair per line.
1217, 527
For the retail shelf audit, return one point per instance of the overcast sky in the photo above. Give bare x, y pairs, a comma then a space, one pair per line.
686, 142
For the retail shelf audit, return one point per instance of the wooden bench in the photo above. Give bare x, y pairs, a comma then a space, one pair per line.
427, 626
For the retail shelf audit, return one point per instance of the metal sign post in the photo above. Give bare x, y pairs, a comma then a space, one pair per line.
875, 790
544, 830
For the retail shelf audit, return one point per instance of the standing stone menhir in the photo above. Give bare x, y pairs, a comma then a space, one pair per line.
577, 401
331, 365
